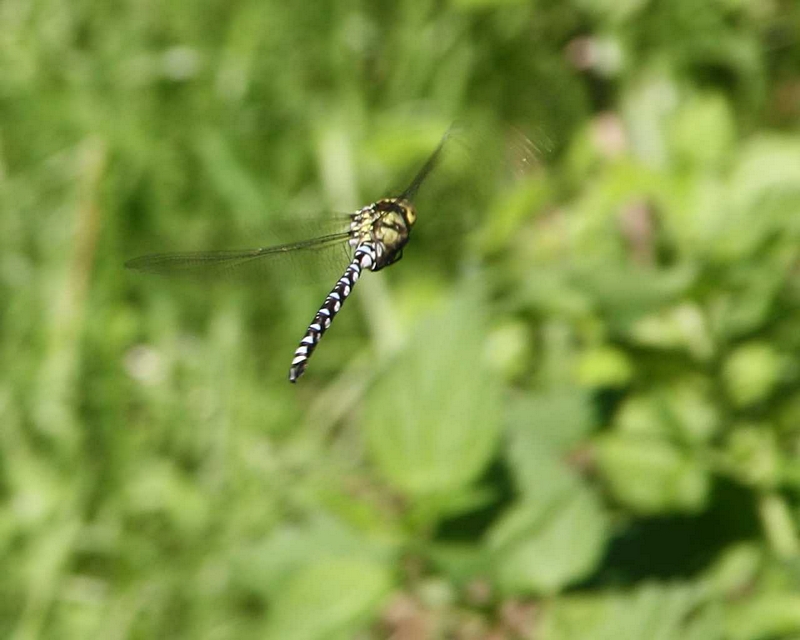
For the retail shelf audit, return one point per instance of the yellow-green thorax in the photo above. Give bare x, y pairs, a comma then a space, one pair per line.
386, 224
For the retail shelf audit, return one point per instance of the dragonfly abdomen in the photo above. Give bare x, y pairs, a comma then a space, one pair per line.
365, 257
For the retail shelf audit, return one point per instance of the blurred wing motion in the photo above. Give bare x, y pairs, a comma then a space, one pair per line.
201, 263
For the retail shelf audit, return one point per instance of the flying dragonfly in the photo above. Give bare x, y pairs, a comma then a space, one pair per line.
376, 236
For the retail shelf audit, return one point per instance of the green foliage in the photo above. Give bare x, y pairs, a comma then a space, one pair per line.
571, 411
556, 533
430, 432
322, 599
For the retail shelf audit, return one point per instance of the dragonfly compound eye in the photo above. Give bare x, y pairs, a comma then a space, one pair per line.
409, 213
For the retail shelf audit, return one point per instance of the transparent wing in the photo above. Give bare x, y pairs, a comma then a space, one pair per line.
430, 164
477, 168
306, 260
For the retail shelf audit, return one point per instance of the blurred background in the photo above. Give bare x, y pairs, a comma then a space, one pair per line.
571, 411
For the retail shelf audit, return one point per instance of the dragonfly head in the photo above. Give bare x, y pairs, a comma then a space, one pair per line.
394, 213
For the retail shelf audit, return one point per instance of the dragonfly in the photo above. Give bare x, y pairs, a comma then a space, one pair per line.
376, 235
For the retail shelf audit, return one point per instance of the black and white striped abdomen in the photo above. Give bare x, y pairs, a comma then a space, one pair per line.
365, 257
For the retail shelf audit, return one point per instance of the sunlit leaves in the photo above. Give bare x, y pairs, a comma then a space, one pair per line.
432, 418
328, 600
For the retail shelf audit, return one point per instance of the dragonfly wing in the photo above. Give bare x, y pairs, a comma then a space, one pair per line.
308, 261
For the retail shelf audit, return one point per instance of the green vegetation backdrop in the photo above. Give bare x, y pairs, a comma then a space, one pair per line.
576, 417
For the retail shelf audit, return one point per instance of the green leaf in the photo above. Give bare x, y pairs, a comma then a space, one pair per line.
550, 290
768, 170
769, 615
626, 294
328, 599
684, 410
543, 547
751, 373
752, 456
681, 327
268, 566
763, 197
435, 413
651, 476
510, 349
734, 570
779, 525
604, 366
558, 418
745, 300
703, 131
543, 428
540, 474
556, 534
656, 612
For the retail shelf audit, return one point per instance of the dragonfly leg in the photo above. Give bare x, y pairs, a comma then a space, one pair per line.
364, 258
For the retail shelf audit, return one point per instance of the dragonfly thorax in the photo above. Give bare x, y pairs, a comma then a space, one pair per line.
386, 224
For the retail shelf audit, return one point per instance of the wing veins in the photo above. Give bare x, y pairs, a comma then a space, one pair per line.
189, 261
